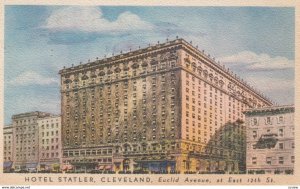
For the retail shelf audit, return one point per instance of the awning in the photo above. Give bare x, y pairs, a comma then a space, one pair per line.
101, 167
67, 167
70, 167
107, 167
31, 165
7, 164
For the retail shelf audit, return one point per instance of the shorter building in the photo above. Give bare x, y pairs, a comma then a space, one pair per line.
49, 143
8, 148
270, 140
26, 140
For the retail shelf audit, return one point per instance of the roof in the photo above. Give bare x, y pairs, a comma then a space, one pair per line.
270, 109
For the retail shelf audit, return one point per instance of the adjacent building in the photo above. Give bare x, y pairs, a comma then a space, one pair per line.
49, 143
26, 140
270, 140
167, 107
8, 148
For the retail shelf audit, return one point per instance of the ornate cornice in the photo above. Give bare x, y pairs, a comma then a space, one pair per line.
152, 51
270, 110
125, 58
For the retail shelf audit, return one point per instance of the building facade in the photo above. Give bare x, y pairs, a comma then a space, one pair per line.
49, 143
270, 139
162, 108
26, 140
8, 147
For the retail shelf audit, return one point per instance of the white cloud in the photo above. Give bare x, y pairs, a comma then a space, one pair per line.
280, 90
32, 78
90, 19
254, 61
271, 84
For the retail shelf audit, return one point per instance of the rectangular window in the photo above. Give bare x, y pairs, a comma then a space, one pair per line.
254, 159
269, 121
280, 132
280, 160
281, 146
268, 160
280, 119
255, 122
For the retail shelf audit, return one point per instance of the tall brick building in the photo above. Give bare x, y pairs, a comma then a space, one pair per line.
166, 107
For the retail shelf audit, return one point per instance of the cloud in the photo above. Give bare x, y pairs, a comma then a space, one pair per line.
90, 19
258, 62
280, 90
32, 78
271, 84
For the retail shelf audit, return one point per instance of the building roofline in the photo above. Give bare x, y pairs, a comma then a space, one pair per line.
33, 113
50, 116
269, 109
151, 48
8, 126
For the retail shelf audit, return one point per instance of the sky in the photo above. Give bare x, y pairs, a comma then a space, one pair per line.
256, 43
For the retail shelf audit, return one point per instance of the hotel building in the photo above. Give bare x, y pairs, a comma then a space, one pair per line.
167, 107
270, 140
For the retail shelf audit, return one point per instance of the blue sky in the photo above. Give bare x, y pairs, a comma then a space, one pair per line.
257, 43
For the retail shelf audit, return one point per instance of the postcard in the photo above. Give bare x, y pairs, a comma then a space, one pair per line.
142, 94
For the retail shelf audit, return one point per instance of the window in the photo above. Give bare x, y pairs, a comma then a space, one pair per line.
281, 146
280, 119
268, 160
254, 121
254, 134
293, 159
280, 160
268, 121
254, 159
280, 132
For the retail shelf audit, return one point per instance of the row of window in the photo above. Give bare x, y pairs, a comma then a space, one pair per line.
109, 77
46, 141
87, 152
52, 155
272, 160
48, 126
48, 133
279, 132
25, 121
280, 146
24, 128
